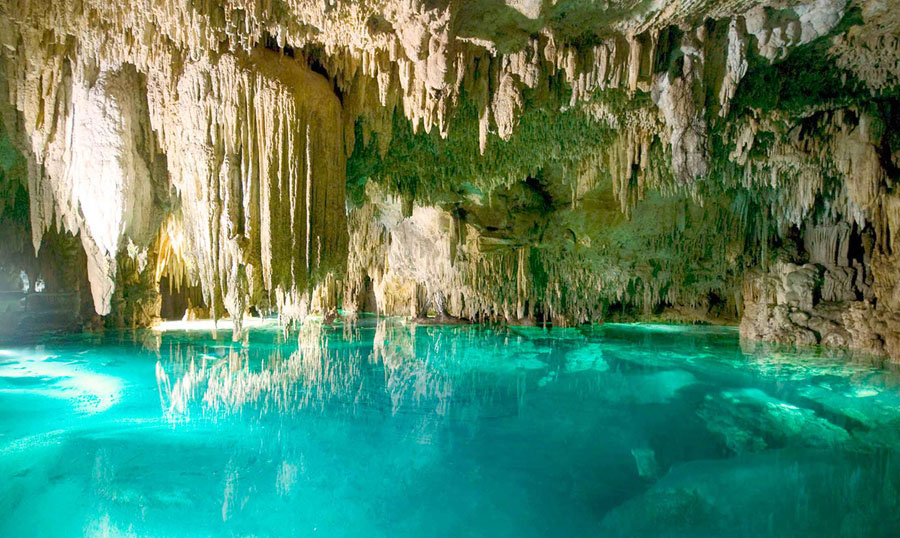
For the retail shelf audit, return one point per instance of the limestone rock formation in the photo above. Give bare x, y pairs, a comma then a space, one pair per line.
515, 162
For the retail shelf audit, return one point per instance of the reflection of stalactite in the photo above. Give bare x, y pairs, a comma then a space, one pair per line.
310, 377
412, 372
411, 380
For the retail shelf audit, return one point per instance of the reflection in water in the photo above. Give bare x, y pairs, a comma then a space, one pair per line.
381, 428
318, 369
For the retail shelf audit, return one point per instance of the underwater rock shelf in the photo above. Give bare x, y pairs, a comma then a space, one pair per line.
521, 162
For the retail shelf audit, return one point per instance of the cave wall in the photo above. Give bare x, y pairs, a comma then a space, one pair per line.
510, 161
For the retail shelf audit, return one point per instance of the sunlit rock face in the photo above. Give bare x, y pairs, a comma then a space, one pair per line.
93, 164
517, 162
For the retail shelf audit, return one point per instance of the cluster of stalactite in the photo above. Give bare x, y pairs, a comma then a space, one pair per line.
516, 162
239, 153
432, 262
760, 168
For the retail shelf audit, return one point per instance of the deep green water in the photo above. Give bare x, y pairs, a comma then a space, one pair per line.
381, 429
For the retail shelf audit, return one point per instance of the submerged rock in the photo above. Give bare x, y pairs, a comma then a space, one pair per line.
750, 420
710, 498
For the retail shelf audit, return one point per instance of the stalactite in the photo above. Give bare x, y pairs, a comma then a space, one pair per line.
264, 210
251, 142
93, 167
557, 166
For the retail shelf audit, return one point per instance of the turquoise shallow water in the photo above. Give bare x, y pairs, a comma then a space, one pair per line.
380, 429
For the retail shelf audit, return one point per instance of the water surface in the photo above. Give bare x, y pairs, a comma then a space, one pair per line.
383, 429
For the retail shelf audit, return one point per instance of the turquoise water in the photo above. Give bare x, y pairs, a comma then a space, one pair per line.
382, 429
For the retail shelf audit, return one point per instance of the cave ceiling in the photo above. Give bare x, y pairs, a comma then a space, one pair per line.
478, 159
